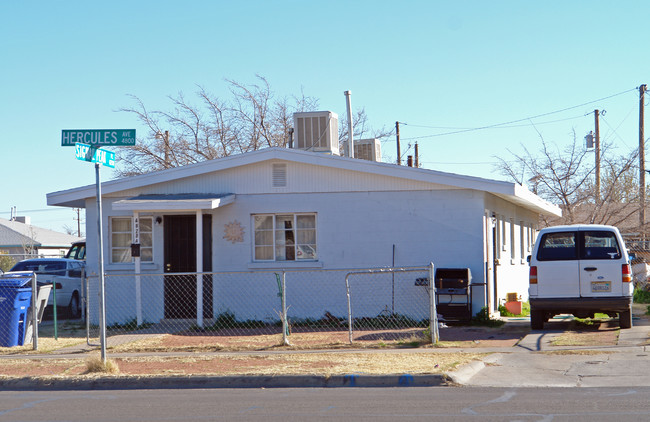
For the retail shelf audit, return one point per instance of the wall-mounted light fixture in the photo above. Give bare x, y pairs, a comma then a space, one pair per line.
159, 220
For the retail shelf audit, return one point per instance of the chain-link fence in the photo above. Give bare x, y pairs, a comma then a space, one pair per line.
261, 309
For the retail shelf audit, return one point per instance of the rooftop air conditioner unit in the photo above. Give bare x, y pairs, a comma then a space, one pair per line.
317, 131
365, 149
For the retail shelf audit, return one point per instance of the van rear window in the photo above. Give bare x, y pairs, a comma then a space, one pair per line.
557, 247
564, 246
600, 245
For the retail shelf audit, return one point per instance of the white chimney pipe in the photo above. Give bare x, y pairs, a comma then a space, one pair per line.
350, 126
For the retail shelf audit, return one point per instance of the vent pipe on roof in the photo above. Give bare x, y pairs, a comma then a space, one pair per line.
350, 140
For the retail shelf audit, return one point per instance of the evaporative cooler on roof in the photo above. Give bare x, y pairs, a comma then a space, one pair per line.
317, 131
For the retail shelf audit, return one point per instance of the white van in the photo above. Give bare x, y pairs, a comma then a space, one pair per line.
580, 270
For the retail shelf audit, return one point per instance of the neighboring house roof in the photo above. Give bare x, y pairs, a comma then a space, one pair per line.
17, 234
509, 191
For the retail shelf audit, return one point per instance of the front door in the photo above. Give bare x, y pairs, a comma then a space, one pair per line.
180, 257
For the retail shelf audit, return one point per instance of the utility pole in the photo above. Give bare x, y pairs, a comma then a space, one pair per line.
78, 211
165, 138
597, 153
642, 90
399, 153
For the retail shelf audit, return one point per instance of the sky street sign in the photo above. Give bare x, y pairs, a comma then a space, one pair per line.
93, 154
98, 137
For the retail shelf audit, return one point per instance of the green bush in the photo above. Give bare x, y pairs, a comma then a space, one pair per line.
6, 262
482, 318
641, 296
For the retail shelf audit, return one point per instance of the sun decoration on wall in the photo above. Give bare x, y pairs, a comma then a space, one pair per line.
234, 232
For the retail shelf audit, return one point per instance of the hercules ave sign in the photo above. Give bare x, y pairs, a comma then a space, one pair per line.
98, 137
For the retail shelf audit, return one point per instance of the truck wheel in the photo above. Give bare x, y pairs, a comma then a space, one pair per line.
537, 319
625, 319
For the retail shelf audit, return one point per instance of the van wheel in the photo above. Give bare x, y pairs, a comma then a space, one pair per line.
74, 308
625, 319
537, 319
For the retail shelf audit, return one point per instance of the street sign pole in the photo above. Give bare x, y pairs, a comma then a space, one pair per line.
89, 150
102, 297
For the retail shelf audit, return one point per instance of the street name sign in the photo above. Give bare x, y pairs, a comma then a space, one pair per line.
98, 137
93, 154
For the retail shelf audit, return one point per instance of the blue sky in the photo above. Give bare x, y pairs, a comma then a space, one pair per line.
438, 66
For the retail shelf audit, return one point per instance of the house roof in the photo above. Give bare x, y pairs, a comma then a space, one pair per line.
17, 234
509, 191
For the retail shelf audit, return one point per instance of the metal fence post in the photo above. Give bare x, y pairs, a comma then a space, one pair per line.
433, 317
347, 286
86, 282
285, 323
34, 313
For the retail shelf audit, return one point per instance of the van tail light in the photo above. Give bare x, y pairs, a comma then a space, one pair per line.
532, 277
627, 273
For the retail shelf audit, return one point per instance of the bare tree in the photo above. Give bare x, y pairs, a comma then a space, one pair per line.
361, 128
566, 178
252, 118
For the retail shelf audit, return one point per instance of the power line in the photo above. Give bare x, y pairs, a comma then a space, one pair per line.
518, 120
40, 210
499, 127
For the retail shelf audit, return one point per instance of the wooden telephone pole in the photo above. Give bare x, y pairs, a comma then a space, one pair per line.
642, 90
597, 154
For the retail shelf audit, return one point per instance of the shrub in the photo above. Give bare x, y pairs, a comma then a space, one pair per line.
641, 296
483, 318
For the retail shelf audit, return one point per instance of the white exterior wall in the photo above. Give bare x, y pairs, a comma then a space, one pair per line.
359, 218
358, 230
511, 261
354, 230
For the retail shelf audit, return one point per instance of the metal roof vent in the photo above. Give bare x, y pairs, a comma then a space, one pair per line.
279, 177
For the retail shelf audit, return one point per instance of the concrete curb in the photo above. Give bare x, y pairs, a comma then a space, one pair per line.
283, 381
465, 372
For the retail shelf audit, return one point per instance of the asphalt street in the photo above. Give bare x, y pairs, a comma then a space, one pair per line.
330, 404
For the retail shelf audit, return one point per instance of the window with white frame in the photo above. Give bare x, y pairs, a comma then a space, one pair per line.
285, 237
123, 233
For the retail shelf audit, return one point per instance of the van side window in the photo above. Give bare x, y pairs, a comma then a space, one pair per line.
557, 247
600, 245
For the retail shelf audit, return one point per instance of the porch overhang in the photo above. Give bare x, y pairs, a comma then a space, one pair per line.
175, 202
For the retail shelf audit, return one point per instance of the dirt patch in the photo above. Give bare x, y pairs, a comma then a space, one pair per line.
376, 362
595, 333
269, 339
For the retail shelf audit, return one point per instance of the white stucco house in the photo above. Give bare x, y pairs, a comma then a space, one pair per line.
291, 208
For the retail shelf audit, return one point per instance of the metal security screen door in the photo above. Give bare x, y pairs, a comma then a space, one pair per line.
180, 257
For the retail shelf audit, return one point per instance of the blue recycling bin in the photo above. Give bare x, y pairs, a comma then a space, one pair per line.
15, 300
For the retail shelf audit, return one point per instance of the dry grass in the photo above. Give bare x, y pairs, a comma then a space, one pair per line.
69, 333
327, 364
96, 365
576, 352
596, 332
